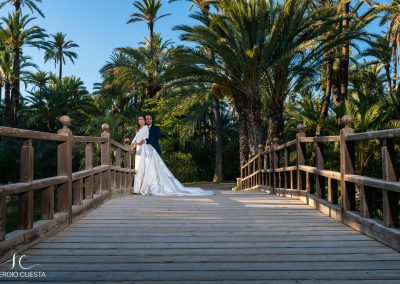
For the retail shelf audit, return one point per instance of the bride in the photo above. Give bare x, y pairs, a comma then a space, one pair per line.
152, 175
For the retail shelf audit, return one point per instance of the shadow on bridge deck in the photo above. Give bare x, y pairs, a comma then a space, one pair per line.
233, 236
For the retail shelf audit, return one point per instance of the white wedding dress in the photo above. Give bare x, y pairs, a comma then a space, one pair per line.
152, 175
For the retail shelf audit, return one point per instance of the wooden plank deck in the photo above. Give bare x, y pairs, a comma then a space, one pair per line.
231, 237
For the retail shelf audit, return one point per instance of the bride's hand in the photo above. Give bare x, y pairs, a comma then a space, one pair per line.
133, 146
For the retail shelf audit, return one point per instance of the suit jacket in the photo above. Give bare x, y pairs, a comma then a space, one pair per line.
154, 137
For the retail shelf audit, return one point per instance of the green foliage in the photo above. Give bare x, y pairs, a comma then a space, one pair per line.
182, 166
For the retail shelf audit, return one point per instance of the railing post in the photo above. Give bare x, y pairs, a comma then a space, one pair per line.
320, 180
347, 165
300, 148
128, 164
105, 158
286, 174
274, 163
390, 199
3, 208
25, 200
117, 181
89, 181
259, 165
65, 168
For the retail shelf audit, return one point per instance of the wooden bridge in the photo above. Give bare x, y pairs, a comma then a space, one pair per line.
315, 225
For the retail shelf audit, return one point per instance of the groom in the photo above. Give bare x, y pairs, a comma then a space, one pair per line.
154, 134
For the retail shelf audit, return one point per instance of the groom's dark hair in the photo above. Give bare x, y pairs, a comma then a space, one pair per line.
149, 114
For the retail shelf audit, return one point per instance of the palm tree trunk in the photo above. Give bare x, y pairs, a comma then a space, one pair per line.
218, 142
151, 26
275, 121
1, 89
344, 59
389, 83
336, 92
327, 98
243, 140
60, 71
253, 110
17, 5
394, 67
15, 88
7, 104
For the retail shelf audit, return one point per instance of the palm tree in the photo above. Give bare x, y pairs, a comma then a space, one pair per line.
147, 68
6, 61
204, 6
38, 79
59, 97
391, 15
15, 34
148, 10
21, 3
58, 50
240, 60
380, 49
367, 107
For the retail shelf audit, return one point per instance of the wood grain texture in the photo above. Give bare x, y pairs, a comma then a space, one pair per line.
237, 237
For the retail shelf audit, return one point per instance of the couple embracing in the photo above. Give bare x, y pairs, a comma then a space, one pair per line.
152, 176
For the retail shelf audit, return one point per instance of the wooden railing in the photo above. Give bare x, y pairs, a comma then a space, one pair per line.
77, 192
333, 191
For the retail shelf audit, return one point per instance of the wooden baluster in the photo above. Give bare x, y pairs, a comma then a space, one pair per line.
48, 203
366, 201
275, 164
127, 164
105, 159
25, 200
97, 180
308, 190
286, 174
270, 179
89, 166
118, 164
390, 199
347, 165
320, 180
291, 180
64, 158
259, 165
77, 187
301, 160
3, 209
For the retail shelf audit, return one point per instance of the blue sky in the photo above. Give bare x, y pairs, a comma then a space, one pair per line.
99, 26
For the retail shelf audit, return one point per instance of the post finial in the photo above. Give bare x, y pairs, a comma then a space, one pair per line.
300, 127
65, 121
275, 140
126, 141
105, 127
347, 120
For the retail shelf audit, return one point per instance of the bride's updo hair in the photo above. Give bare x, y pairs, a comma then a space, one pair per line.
137, 122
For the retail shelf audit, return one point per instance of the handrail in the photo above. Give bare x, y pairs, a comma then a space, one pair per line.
270, 169
30, 134
93, 184
89, 139
322, 139
118, 145
381, 134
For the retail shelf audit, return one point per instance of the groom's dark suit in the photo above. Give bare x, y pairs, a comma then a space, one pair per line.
154, 137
